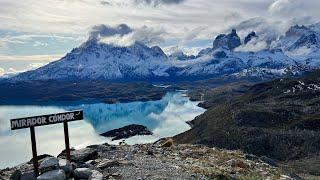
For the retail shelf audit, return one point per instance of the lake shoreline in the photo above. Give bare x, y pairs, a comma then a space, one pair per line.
166, 117
53, 92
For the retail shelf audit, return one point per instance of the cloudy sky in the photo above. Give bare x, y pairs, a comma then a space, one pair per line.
34, 32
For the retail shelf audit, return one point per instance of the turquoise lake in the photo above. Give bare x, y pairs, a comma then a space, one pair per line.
165, 117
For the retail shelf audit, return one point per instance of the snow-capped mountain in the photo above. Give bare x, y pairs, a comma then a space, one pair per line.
249, 37
181, 56
94, 60
302, 43
297, 51
229, 41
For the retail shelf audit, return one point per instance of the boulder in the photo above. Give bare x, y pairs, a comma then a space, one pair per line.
108, 163
28, 176
16, 175
82, 173
85, 165
269, 161
160, 141
251, 157
66, 166
150, 152
53, 175
168, 143
82, 155
241, 164
91, 162
116, 176
96, 175
41, 157
49, 164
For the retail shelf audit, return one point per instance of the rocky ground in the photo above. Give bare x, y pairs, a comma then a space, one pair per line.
278, 119
151, 161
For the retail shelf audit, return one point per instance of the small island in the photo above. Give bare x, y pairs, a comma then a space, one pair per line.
127, 131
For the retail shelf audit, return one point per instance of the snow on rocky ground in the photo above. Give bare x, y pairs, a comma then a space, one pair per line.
301, 86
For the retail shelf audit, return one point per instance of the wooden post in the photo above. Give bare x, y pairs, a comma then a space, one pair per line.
34, 151
45, 120
66, 139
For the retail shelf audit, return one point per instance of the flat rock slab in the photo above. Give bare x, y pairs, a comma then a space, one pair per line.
53, 175
49, 164
81, 155
28, 176
82, 173
106, 163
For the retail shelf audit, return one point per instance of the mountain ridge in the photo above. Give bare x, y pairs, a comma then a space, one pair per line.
292, 54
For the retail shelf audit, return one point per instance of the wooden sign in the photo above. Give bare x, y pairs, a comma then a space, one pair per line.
31, 122
46, 119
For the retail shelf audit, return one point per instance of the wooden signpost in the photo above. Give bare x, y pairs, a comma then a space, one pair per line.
31, 122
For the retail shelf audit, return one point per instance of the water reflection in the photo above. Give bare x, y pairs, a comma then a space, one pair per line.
165, 117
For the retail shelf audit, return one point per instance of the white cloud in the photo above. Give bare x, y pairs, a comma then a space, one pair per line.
50, 57
40, 44
102, 30
156, 3
284, 6
180, 22
9, 72
253, 46
2, 44
52, 16
36, 65
123, 35
151, 3
2, 71
186, 50
299, 52
12, 70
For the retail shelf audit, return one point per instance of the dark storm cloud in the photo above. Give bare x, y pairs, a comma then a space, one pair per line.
159, 2
106, 3
123, 35
108, 31
153, 3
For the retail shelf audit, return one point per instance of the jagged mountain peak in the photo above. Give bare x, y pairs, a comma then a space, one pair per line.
138, 49
97, 60
306, 40
249, 37
297, 31
157, 51
181, 56
231, 40
299, 40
